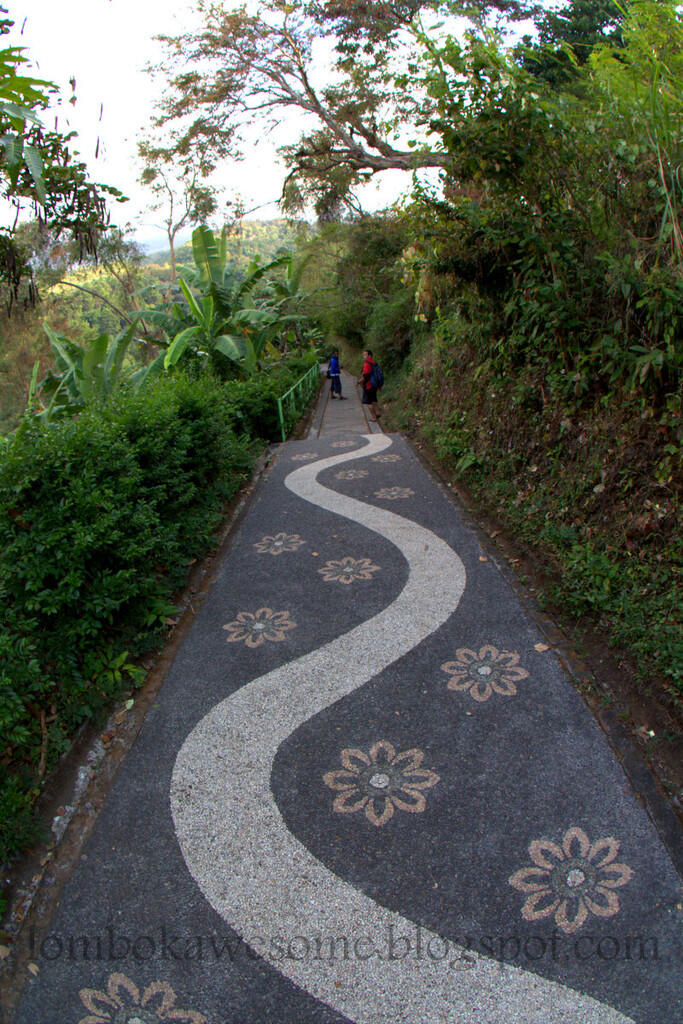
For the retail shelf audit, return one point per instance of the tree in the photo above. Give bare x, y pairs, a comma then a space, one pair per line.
583, 24
39, 169
568, 36
260, 62
179, 190
560, 223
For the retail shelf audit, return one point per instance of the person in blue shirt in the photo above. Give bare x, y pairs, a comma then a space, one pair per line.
335, 375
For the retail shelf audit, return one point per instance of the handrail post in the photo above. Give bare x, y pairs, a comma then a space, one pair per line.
282, 419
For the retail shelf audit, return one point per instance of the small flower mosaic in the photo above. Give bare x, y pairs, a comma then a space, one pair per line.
386, 458
255, 629
571, 880
304, 456
380, 782
124, 1003
351, 474
348, 569
484, 672
343, 444
393, 493
279, 543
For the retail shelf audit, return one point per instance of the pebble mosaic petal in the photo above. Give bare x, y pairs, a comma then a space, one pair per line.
481, 673
304, 457
254, 629
571, 880
279, 543
351, 474
123, 1002
380, 782
393, 493
386, 458
346, 570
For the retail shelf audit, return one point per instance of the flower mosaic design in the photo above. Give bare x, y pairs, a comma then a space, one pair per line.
343, 444
348, 569
124, 1003
380, 782
386, 458
304, 456
572, 880
351, 474
255, 629
279, 543
393, 493
481, 673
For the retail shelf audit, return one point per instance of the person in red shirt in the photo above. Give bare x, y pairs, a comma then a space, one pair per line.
369, 393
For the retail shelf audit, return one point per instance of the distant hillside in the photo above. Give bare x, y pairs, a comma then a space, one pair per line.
262, 238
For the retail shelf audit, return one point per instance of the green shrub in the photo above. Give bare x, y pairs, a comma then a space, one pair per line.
18, 825
391, 327
99, 517
253, 402
253, 405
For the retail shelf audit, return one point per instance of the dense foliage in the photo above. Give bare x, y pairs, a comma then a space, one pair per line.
84, 300
534, 303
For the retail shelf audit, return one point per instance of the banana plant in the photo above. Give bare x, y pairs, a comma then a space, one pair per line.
287, 296
212, 274
85, 374
207, 332
222, 318
256, 329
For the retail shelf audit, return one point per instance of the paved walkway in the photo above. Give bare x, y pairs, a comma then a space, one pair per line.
367, 792
333, 416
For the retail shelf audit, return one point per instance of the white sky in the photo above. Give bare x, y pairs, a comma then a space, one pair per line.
105, 44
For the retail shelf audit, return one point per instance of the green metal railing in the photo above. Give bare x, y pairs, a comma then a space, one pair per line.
293, 402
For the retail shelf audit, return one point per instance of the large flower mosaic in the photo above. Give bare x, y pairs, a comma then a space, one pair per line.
481, 673
279, 543
124, 1003
380, 782
343, 444
393, 493
348, 569
386, 458
255, 629
351, 474
304, 456
571, 880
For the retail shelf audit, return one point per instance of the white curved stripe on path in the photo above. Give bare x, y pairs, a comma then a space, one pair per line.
268, 887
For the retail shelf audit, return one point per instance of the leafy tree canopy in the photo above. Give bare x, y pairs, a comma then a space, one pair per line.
264, 60
181, 193
567, 36
38, 168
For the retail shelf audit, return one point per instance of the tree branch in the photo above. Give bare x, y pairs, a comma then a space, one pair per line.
97, 295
